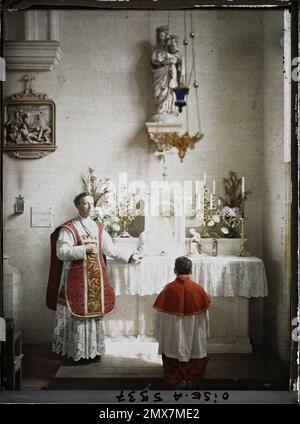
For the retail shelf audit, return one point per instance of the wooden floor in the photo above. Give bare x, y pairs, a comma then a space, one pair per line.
45, 370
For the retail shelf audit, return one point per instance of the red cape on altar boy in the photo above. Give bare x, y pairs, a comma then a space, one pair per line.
181, 329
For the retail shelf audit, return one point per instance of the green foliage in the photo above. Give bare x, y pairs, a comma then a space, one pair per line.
233, 191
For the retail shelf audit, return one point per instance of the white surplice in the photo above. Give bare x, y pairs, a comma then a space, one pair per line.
182, 338
73, 336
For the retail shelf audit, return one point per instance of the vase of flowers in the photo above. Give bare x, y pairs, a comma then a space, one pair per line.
97, 188
222, 223
225, 219
235, 195
111, 223
101, 191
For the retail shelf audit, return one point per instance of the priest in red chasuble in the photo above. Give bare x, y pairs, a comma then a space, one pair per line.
78, 286
182, 329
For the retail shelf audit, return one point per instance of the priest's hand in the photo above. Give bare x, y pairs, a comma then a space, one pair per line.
135, 258
91, 249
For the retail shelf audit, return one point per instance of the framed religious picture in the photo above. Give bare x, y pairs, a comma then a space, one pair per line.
29, 124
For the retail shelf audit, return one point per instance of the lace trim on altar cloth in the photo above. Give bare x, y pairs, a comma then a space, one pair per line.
77, 337
226, 276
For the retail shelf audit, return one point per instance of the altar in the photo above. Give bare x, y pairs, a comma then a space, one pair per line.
230, 281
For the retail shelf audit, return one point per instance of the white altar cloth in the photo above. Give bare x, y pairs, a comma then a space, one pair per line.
229, 280
221, 276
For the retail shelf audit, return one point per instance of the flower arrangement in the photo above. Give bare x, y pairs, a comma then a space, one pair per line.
101, 190
115, 216
97, 189
111, 223
223, 222
235, 196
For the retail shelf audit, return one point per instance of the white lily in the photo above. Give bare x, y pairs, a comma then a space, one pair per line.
216, 218
225, 230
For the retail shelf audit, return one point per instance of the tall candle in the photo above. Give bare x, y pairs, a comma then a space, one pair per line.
243, 187
211, 201
131, 202
198, 193
214, 187
219, 202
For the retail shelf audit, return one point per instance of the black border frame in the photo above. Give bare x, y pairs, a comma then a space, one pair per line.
293, 6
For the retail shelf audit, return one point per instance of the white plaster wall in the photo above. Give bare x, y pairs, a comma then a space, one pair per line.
276, 175
102, 90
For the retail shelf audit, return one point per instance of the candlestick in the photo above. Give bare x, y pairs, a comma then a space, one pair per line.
243, 187
214, 187
243, 251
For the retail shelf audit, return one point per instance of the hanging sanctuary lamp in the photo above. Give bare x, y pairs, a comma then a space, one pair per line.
166, 141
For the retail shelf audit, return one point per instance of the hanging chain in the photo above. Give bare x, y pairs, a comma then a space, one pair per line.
185, 48
186, 68
198, 109
193, 51
196, 84
187, 117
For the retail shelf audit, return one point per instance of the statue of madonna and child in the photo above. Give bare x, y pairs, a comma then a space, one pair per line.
167, 69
